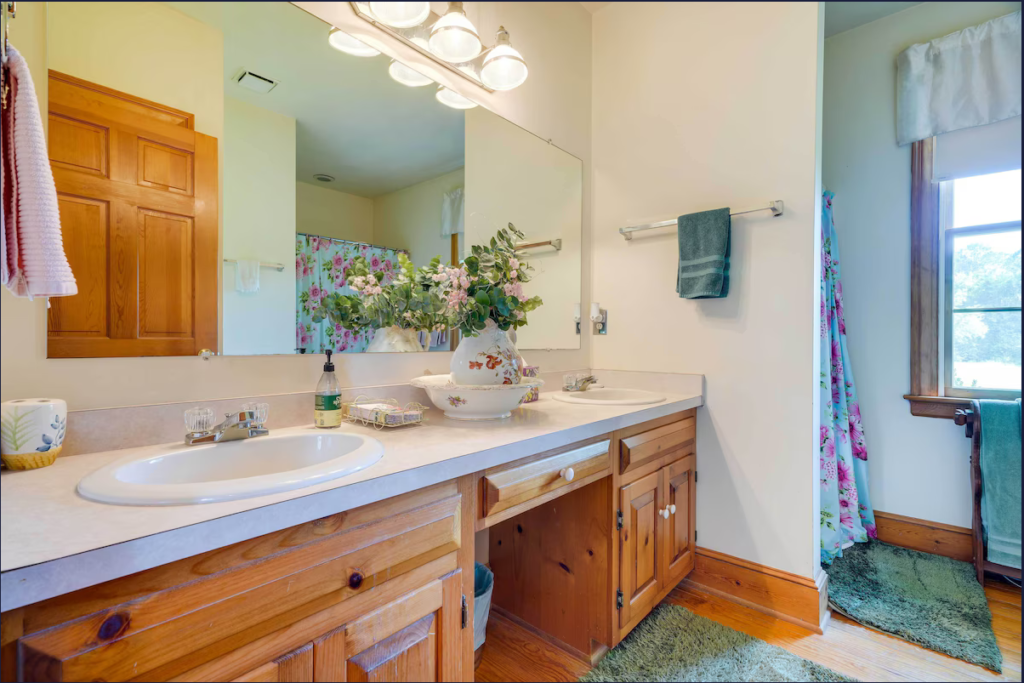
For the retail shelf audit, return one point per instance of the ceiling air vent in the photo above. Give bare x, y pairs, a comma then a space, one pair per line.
255, 82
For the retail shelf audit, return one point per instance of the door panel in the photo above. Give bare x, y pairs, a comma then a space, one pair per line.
417, 637
409, 655
295, 667
86, 227
164, 168
165, 275
155, 293
640, 541
680, 500
78, 145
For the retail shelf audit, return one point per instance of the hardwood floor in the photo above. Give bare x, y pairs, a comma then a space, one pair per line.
514, 654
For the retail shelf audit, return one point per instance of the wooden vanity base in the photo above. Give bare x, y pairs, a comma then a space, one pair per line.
585, 540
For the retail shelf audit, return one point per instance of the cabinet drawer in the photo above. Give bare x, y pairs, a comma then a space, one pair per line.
637, 450
522, 483
166, 633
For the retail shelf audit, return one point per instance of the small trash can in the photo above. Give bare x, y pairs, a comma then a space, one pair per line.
484, 579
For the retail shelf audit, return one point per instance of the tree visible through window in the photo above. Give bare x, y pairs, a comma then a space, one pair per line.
982, 331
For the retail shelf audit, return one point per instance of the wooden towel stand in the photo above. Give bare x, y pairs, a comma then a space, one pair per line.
971, 418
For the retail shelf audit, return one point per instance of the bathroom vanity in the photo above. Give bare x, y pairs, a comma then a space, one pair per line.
591, 519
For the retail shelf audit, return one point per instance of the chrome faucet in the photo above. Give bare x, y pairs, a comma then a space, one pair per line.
237, 426
579, 383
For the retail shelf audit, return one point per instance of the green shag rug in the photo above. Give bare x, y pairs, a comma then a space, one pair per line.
674, 644
926, 599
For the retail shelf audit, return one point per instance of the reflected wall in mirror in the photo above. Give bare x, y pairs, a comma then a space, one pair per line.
220, 167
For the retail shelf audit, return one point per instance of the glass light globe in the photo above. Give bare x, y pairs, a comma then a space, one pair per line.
340, 40
504, 68
452, 99
401, 14
407, 76
454, 38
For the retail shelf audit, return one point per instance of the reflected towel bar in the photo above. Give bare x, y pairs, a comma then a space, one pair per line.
776, 207
555, 244
276, 266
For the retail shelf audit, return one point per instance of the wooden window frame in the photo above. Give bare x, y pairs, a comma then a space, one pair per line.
926, 318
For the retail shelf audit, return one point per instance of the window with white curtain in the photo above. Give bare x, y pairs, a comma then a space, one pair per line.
981, 337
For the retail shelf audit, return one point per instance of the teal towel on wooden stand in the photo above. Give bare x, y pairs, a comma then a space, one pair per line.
1000, 480
704, 255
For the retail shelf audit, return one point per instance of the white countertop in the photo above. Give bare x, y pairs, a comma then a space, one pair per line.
67, 543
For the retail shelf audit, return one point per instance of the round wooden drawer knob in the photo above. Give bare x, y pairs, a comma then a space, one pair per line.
355, 581
568, 474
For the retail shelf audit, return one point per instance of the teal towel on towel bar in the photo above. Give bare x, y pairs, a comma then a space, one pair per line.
1000, 480
704, 255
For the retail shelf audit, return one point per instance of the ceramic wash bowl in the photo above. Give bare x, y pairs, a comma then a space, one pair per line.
229, 471
610, 397
470, 402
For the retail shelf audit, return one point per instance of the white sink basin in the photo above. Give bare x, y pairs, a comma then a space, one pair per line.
610, 397
233, 470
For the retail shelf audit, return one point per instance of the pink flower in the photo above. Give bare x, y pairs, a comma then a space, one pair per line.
872, 531
840, 315
388, 265
338, 261
338, 328
314, 292
846, 519
845, 474
375, 263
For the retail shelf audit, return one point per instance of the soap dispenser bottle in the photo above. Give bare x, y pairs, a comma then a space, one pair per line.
327, 414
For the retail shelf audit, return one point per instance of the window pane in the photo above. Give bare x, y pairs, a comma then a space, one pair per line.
986, 350
986, 270
986, 199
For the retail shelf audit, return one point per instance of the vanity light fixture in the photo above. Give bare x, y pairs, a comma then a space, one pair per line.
504, 68
407, 75
401, 14
454, 38
340, 40
452, 99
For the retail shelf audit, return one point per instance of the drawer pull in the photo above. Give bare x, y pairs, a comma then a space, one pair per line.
568, 474
355, 581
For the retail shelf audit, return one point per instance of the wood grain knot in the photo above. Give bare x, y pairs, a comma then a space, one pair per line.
355, 581
565, 567
114, 626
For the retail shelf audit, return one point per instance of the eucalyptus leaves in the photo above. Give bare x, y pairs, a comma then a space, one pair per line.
488, 285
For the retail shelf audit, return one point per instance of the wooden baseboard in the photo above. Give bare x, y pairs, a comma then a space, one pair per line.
928, 537
797, 599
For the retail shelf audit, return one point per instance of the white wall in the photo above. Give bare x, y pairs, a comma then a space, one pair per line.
699, 106
554, 103
330, 213
410, 218
259, 224
919, 465
516, 177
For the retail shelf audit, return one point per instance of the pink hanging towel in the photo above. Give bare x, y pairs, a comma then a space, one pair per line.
35, 258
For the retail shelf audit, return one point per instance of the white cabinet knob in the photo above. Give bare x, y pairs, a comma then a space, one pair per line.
568, 474
664, 513
672, 509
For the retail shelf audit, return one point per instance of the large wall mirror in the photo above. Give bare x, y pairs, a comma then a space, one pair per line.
219, 167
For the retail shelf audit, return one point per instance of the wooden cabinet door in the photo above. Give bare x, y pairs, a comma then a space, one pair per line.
417, 637
295, 667
137, 191
678, 550
639, 547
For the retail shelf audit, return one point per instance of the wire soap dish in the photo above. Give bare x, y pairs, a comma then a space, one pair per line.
381, 413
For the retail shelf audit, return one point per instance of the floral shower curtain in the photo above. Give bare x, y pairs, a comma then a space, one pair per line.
846, 513
321, 267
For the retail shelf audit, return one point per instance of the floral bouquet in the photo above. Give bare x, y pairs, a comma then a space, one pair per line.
410, 301
488, 286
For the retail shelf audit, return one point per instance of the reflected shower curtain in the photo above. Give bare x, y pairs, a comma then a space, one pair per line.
321, 268
846, 513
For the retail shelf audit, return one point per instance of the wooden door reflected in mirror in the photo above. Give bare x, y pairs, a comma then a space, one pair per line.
137, 191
